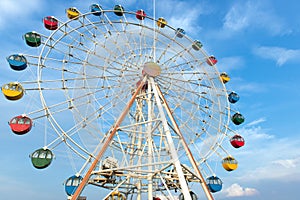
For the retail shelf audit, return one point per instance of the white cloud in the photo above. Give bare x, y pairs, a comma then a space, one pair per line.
278, 54
12, 10
288, 163
249, 87
270, 157
256, 122
235, 190
182, 14
230, 63
254, 14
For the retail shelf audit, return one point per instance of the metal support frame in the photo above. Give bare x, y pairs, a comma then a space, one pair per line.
107, 142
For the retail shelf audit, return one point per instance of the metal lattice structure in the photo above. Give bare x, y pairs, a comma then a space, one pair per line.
141, 106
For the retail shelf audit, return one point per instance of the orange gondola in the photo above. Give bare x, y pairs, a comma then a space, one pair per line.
20, 124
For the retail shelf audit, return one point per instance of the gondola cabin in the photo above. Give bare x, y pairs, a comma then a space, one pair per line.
119, 10
50, 23
21, 124
161, 22
237, 141
229, 163
211, 60
179, 32
41, 158
33, 39
116, 195
73, 13
13, 91
237, 118
193, 195
96, 9
17, 62
72, 184
233, 97
197, 45
214, 184
224, 77
140, 14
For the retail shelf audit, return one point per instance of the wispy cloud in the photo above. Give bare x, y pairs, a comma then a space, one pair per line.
272, 158
256, 122
254, 14
252, 87
11, 9
235, 190
288, 163
182, 14
278, 54
231, 63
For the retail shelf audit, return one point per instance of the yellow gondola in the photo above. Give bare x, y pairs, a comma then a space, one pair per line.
224, 77
13, 91
73, 13
116, 195
161, 22
229, 163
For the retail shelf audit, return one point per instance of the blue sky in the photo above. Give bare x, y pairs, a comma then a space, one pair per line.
256, 43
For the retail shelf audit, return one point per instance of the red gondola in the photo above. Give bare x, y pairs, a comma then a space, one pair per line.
211, 60
237, 141
50, 23
140, 14
20, 124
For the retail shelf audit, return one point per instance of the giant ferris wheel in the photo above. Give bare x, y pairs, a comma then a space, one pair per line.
140, 106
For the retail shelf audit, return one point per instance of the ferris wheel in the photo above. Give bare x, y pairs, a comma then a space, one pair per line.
140, 106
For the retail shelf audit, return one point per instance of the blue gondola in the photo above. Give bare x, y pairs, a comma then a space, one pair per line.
96, 9
214, 184
180, 32
17, 62
233, 97
72, 184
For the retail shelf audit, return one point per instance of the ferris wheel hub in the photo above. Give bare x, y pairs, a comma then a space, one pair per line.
151, 69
